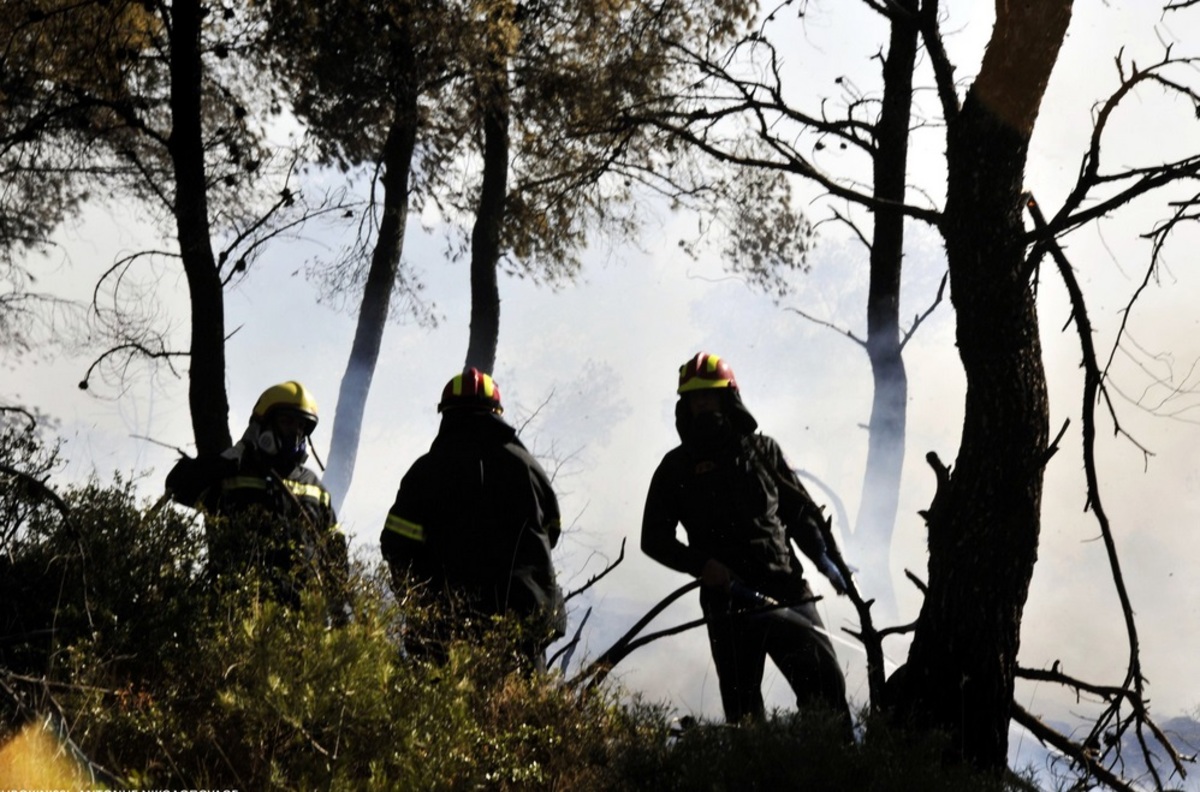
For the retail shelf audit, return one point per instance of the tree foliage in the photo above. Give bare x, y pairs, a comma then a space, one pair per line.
162, 102
46, 149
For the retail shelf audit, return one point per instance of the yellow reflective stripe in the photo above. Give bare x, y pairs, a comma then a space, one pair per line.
243, 482
295, 487
307, 491
406, 528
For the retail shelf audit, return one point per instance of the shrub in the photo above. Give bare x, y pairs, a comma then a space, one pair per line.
169, 680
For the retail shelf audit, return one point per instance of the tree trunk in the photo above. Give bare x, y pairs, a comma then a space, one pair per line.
985, 519
871, 549
381, 277
489, 221
207, 396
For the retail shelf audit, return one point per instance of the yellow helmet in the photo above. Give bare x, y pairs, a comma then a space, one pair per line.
291, 396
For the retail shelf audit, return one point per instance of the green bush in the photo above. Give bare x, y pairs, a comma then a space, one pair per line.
276, 699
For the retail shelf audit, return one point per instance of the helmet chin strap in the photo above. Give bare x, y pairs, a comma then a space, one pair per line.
316, 458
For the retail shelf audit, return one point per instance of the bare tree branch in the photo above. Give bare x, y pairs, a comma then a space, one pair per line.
943, 69
38, 488
840, 331
595, 673
917, 320
1093, 387
131, 350
594, 579
1144, 179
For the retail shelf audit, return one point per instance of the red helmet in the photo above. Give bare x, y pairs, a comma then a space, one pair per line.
705, 371
472, 389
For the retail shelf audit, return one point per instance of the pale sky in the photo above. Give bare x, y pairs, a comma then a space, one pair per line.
608, 348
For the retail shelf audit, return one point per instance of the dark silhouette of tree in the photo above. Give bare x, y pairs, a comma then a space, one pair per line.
985, 518
185, 145
368, 109
871, 540
493, 90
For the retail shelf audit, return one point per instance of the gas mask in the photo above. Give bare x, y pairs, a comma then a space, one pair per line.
283, 440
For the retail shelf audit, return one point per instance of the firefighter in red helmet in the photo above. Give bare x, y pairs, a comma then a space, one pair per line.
476, 518
742, 507
267, 509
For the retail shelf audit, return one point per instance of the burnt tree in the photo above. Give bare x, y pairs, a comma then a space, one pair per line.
984, 522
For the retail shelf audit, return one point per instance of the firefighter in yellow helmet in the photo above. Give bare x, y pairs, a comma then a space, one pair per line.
742, 507
475, 519
267, 509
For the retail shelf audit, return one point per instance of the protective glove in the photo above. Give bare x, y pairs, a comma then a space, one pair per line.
829, 569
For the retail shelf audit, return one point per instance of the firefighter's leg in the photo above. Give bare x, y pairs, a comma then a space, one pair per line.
739, 654
807, 660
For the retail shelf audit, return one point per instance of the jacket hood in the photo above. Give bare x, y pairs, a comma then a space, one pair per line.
732, 408
458, 425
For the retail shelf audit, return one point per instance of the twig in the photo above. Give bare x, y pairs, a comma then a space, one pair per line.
839, 330
569, 649
594, 579
920, 318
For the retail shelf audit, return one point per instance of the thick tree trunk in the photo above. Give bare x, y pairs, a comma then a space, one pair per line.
381, 278
207, 396
489, 221
871, 549
985, 519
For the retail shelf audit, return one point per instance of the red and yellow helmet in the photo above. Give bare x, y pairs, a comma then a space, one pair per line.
472, 389
705, 371
290, 396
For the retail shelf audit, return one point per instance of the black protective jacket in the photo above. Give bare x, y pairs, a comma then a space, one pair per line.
284, 521
477, 517
737, 499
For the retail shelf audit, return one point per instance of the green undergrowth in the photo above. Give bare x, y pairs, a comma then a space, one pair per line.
169, 681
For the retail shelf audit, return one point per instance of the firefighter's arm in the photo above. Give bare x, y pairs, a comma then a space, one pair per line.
659, 521
405, 538
191, 478
804, 520
402, 538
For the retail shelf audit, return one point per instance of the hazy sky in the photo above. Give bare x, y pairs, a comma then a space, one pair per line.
604, 352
